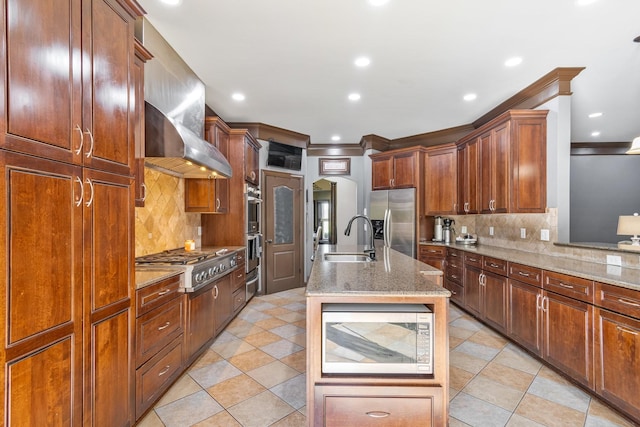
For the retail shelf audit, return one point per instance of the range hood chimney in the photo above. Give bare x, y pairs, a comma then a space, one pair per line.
174, 113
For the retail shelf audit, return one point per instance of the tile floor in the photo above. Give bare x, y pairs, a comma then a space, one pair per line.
253, 375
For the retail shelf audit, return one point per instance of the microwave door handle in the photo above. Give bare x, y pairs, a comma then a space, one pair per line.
249, 282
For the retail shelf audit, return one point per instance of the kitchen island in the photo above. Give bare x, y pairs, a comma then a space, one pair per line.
338, 399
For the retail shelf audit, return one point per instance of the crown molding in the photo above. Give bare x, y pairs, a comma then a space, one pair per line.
430, 139
267, 132
341, 150
599, 148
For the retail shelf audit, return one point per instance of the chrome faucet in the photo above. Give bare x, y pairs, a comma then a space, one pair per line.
372, 249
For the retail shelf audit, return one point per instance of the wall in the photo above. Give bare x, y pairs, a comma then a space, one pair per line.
602, 188
162, 223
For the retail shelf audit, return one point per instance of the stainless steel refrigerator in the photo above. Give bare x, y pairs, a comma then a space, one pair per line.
393, 215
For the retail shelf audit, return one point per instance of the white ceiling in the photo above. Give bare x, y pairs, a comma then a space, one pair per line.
294, 61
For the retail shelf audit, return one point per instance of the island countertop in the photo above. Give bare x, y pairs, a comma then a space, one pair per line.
391, 274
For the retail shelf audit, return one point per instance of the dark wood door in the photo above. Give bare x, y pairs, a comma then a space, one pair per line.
405, 168
283, 254
617, 349
524, 319
441, 183
472, 290
108, 110
41, 259
382, 172
568, 331
494, 304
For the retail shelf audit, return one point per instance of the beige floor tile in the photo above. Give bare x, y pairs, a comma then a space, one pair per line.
494, 392
253, 412
251, 360
301, 323
488, 338
460, 333
518, 360
511, 377
456, 423
295, 419
550, 374
300, 339
150, 420
272, 374
292, 316
207, 358
221, 419
270, 323
459, 378
235, 390
548, 413
232, 348
454, 342
600, 410
519, 421
181, 388
467, 362
276, 311
297, 361
262, 338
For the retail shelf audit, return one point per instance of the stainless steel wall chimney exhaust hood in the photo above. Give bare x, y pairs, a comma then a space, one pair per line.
174, 113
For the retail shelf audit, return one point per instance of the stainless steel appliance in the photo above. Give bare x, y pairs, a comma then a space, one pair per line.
253, 283
253, 206
377, 339
393, 214
201, 267
254, 251
437, 229
447, 229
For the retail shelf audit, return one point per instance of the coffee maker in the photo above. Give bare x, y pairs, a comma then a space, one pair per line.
447, 229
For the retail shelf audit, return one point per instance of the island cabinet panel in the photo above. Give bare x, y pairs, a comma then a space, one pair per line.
338, 406
441, 181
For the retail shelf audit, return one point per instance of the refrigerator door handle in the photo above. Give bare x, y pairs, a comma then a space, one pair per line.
387, 226
385, 230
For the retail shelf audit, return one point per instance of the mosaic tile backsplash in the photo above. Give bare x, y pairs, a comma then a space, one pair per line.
162, 223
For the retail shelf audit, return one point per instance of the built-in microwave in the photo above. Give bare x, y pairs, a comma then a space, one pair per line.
378, 339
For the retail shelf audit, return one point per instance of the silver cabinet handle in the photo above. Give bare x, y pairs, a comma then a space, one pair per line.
565, 286
79, 129
144, 192
378, 414
90, 152
164, 371
632, 304
90, 201
215, 295
253, 175
538, 305
81, 192
165, 326
217, 203
524, 274
166, 291
621, 329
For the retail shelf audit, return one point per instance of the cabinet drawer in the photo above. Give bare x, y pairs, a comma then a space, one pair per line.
457, 291
494, 265
454, 262
526, 274
432, 251
157, 328
453, 274
569, 286
155, 376
240, 257
378, 406
155, 295
473, 259
621, 300
454, 254
238, 279
239, 298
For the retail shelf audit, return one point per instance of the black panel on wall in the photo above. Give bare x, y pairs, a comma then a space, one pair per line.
602, 188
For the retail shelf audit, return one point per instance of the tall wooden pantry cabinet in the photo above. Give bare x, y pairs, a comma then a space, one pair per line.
66, 221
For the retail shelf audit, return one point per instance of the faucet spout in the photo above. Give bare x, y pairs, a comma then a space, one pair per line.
371, 249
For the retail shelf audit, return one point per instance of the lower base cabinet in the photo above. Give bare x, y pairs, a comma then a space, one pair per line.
364, 406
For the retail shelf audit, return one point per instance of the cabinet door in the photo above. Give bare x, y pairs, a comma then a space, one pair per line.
382, 172
41, 269
46, 127
500, 165
252, 165
524, 316
529, 166
441, 183
199, 195
108, 119
221, 198
568, 329
617, 349
472, 290
469, 201
494, 302
405, 168
200, 314
138, 117
485, 173
223, 294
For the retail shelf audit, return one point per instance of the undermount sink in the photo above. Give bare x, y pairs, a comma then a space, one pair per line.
347, 257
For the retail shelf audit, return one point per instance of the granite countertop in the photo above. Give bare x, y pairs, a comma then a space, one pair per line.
393, 273
146, 277
613, 275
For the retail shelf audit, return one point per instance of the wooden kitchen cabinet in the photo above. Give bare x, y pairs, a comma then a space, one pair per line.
209, 195
223, 300
511, 175
468, 177
142, 56
485, 289
441, 181
524, 319
395, 169
252, 160
454, 275
434, 255
200, 320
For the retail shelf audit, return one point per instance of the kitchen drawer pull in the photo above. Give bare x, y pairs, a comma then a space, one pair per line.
165, 326
494, 265
166, 291
565, 286
632, 304
453, 276
433, 251
621, 329
378, 414
524, 274
164, 371
453, 292
473, 259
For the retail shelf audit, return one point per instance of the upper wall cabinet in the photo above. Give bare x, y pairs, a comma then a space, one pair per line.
503, 165
252, 160
395, 169
441, 183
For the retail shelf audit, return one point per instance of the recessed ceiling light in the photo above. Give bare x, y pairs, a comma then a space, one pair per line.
238, 96
171, 2
596, 133
335, 138
512, 62
354, 96
594, 115
378, 2
363, 61
470, 97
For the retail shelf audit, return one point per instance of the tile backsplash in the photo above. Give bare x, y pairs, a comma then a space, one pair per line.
162, 223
